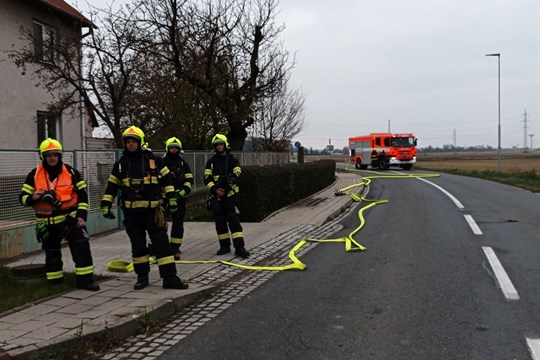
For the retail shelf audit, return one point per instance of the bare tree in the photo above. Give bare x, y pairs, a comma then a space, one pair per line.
279, 118
96, 69
227, 50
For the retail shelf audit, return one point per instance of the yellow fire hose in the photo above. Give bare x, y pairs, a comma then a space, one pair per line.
296, 264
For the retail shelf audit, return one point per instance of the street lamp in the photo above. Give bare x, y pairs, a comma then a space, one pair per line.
499, 127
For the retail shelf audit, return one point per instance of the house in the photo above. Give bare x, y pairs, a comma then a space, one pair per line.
24, 118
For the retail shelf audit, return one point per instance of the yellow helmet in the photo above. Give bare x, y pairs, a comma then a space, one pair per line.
171, 142
49, 146
220, 139
134, 133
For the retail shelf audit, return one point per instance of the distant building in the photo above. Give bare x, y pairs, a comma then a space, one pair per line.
24, 118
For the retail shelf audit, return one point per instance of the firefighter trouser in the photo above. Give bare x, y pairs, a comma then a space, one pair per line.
138, 223
177, 229
79, 245
226, 218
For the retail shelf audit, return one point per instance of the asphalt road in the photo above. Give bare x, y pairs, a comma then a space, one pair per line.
424, 289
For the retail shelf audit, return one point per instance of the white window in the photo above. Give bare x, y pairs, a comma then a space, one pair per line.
48, 126
44, 40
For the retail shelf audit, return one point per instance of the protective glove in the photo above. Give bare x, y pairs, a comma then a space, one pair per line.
182, 193
173, 205
107, 213
42, 232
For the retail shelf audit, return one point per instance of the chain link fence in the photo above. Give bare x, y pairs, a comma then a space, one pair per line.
95, 167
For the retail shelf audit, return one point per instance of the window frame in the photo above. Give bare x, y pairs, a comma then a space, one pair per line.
48, 126
44, 37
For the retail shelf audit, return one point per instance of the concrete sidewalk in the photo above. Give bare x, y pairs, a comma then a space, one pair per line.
118, 309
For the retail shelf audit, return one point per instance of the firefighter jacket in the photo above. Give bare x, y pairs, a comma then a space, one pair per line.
141, 180
183, 177
69, 189
222, 171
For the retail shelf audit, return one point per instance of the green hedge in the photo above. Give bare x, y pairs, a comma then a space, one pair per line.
265, 189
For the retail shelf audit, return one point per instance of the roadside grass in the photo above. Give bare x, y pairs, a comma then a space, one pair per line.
22, 292
529, 180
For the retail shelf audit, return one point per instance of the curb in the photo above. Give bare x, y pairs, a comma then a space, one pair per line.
119, 331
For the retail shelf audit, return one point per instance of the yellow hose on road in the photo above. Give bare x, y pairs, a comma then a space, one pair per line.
350, 243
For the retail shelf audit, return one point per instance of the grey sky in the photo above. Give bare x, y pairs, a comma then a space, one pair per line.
420, 64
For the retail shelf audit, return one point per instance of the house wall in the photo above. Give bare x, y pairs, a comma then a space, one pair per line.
20, 99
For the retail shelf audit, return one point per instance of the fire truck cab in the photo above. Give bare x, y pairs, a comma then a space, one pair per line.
382, 150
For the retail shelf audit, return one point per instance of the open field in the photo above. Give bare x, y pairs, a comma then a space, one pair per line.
511, 162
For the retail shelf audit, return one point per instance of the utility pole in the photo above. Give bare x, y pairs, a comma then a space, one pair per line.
389, 125
525, 130
454, 136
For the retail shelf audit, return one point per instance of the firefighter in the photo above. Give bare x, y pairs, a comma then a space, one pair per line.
141, 179
221, 176
374, 159
57, 192
183, 182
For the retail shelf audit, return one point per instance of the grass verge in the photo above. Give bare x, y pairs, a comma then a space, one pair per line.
22, 292
529, 180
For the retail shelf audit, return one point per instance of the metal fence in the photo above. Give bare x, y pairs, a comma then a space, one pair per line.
95, 167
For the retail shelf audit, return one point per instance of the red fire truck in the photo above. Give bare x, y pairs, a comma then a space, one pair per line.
382, 150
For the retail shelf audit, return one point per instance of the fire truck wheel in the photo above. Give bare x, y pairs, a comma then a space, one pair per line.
358, 164
407, 167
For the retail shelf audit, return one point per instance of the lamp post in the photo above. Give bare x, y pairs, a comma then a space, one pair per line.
499, 126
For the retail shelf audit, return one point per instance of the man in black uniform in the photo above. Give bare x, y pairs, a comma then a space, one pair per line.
57, 192
141, 180
221, 176
183, 182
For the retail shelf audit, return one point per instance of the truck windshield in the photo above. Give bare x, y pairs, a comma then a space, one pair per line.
402, 142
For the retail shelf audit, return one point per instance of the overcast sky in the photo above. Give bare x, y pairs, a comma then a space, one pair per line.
420, 64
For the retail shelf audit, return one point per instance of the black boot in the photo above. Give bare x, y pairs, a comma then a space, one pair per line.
90, 287
242, 252
55, 282
174, 282
224, 247
86, 282
176, 251
142, 282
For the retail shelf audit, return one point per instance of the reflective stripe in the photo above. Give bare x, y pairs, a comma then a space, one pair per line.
80, 185
237, 170
84, 270
187, 184
164, 171
176, 240
210, 184
223, 236
168, 189
25, 198
55, 275
141, 259
56, 219
188, 176
153, 180
237, 235
113, 179
141, 204
28, 189
83, 206
165, 260
108, 198
207, 171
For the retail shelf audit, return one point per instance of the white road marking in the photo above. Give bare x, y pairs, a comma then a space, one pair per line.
507, 288
534, 348
474, 227
452, 197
